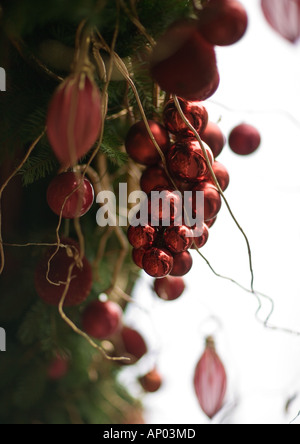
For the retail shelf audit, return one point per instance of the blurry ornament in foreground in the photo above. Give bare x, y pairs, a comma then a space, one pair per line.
244, 139
169, 288
101, 320
210, 380
284, 17
151, 382
74, 118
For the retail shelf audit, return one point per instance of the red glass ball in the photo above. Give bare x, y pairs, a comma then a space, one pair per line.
199, 240
101, 320
133, 343
183, 263
82, 279
223, 22
141, 237
212, 200
78, 203
215, 139
169, 288
151, 382
178, 238
137, 256
141, 148
184, 63
164, 211
222, 175
157, 262
195, 113
210, 223
153, 177
244, 139
186, 160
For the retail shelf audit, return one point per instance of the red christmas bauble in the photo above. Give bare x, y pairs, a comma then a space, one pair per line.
157, 262
164, 208
223, 22
222, 175
210, 223
215, 139
101, 320
151, 382
153, 177
184, 63
58, 368
82, 279
182, 264
195, 113
74, 118
244, 139
178, 238
186, 160
210, 381
212, 200
200, 240
141, 237
79, 202
169, 288
138, 255
141, 148
133, 343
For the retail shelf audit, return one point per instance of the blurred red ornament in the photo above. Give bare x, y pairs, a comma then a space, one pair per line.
223, 22
141, 148
215, 139
212, 200
81, 282
101, 320
178, 238
133, 343
138, 255
74, 118
284, 17
151, 382
153, 177
186, 160
201, 240
210, 381
244, 139
58, 368
79, 202
157, 262
169, 288
221, 174
141, 236
184, 63
183, 263
195, 112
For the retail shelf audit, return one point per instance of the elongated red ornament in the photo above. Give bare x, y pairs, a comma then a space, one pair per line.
210, 380
74, 118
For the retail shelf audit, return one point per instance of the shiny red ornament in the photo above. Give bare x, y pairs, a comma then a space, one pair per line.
151, 382
178, 238
223, 22
141, 148
210, 381
74, 118
141, 236
58, 368
153, 177
221, 174
182, 264
81, 282
132, 345
138, 255
215, 139
184, 63
164, 208
101, 320
157, 262
210, 223
244, 139
200, 240
195, 112
79, 190
284, 17
186, 160
212, 200
169, 288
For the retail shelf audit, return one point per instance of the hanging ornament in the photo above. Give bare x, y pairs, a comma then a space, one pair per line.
215, 139
151, 382
201, 240
195, 112
157, 262
74, 118
141, 148
81, 282
223, 22
186, 160
169, 288
101, 320
210, 223
284, 17
210, 381
153, 177
132, 345
244, 139
184, 63
221, 174
79, 190
141, 236
178, 238
164, 211
138, 255
212, 200
182, 264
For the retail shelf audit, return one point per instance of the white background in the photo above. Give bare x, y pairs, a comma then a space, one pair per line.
260, 84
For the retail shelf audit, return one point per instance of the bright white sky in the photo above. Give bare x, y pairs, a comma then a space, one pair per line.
259, 75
